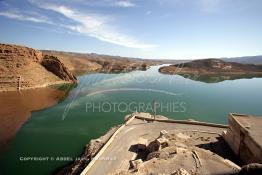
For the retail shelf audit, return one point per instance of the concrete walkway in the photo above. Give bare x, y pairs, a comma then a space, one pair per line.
118, 154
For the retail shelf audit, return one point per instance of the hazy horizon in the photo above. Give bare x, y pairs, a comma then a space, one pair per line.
83, 52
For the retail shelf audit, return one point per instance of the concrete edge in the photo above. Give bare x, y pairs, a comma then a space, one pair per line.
184, 122
108, 143
242, 127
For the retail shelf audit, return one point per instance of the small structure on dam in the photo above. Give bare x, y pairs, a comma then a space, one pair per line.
244, 136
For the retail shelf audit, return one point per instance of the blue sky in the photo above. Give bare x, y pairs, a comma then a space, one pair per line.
164, 29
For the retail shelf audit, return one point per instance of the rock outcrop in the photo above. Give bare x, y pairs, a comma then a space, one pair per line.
54, 65
251, 169
22, 68
75, 62
179, 153
99, 63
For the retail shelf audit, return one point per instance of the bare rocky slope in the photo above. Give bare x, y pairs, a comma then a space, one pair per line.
22, 68
80, 62
212, 66
213, 70
75, 62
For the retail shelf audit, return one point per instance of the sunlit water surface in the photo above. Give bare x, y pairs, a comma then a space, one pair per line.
64, 129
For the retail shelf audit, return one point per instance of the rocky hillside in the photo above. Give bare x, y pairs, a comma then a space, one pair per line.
23, 67
54, 65
99, 63
212, 66
75, 61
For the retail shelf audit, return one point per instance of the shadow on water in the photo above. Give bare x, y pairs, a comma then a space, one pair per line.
66, 88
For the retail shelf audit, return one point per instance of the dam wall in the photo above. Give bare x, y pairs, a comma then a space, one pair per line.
244, 136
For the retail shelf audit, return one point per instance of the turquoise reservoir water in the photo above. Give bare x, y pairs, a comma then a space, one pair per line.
101, 101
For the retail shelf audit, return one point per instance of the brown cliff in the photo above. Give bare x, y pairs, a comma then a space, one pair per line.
22, 68
91, 62
54, 65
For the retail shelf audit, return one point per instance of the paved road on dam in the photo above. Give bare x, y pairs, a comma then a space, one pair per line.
118, 154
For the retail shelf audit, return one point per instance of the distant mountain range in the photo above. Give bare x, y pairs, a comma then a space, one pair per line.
257, 60
245, 60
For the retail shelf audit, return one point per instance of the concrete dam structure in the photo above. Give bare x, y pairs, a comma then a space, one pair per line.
244, 136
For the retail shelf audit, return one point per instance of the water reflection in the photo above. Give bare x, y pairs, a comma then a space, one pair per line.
219, 78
